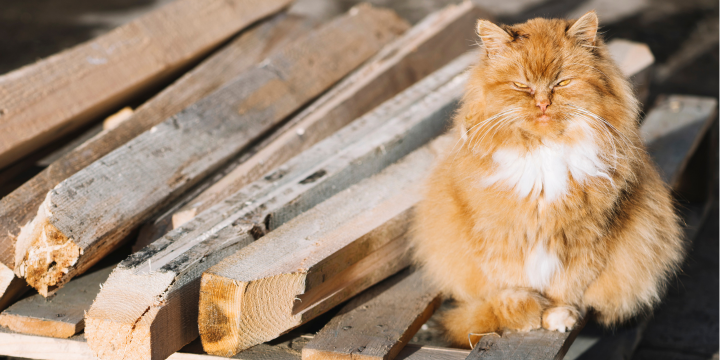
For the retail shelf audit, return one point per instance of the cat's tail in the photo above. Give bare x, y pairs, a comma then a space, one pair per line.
517, 309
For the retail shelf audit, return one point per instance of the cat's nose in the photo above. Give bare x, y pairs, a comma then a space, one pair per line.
543, 104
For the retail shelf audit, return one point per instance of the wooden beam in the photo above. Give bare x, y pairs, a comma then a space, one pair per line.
316, 261
674, 129
20, 207
166, 274
420, 352
429, 45
56, 95
92, 212
61, 316
378, 323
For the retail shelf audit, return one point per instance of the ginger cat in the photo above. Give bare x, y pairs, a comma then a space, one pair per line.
548, 206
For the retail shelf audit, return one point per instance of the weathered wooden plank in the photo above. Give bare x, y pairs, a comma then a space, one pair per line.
19, 207
76, 348
166, 274
535, 345
377, 323
61, 316
51, 97
315, 261
674, 129
429, 45
418, 352
90, 213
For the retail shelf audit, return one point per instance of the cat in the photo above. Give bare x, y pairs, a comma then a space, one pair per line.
549, 205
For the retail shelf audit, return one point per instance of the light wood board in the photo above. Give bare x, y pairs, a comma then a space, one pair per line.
45, 100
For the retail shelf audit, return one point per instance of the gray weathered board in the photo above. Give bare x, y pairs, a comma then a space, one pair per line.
379, 322
361, 149
91, 213
432, 43
51, 97
19, 207
62, 315
671, 131
317, 260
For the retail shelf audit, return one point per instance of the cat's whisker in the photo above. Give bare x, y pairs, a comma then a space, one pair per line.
503, 119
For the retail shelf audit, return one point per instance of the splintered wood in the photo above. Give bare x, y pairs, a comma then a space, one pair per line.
101, 74
166, 274
91, 213
20, 206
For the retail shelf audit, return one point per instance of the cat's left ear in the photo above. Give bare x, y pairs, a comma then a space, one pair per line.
494, 38
585, 28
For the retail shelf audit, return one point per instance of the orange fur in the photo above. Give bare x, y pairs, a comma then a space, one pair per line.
548, 205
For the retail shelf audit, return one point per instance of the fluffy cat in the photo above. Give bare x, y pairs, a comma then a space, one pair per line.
549, 205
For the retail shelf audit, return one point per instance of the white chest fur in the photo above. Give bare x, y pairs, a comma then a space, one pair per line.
540, 266
546, 170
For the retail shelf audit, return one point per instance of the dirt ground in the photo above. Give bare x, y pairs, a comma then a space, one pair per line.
683, 36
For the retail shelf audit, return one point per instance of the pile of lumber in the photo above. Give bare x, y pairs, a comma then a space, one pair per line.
270, 184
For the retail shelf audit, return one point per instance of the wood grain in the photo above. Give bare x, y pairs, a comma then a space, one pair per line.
47, 99
315, 261
165, 276
61, 316
535, 345
379, 322
429, 45
19, 207
90, 213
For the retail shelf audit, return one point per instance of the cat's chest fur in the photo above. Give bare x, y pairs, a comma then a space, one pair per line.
545, 171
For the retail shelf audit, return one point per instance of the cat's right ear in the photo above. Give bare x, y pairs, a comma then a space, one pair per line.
493, 37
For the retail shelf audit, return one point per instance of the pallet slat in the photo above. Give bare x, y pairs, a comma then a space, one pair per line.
377, 323
53, 96
19, 207
92, 212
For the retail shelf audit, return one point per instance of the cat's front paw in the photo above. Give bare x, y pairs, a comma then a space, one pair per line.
560, 319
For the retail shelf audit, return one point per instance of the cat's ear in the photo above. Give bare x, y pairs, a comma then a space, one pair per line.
585, 28
494, 38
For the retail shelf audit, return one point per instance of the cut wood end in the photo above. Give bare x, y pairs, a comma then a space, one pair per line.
236, 315
42, 327
43, 254
118, 324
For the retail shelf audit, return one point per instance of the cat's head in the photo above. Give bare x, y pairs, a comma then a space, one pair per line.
545, 80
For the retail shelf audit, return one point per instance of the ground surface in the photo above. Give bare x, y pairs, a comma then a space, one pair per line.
682, 34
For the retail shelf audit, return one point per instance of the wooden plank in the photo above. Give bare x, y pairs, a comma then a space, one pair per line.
673, 130
326, 255
56, 95
377, 323
61, 316
90, 213
419, 352
76, 348
429, 45
166, 274
536, 345
19, 207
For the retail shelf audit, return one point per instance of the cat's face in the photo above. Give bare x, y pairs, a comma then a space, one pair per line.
542, 80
